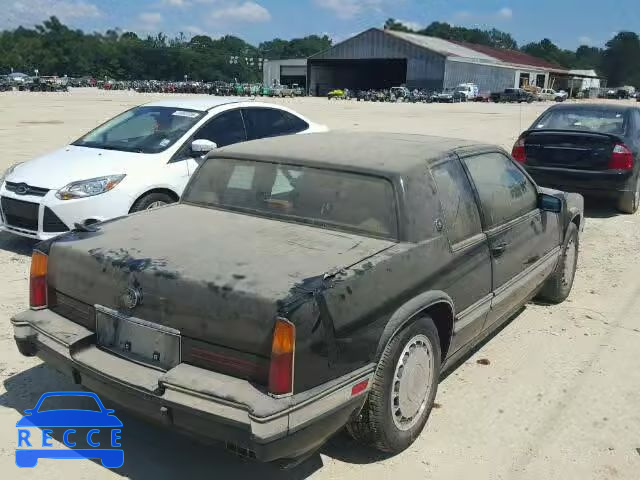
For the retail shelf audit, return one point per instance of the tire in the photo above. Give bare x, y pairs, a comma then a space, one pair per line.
150, 201
630, 201
558, 286
376, 425
26, 348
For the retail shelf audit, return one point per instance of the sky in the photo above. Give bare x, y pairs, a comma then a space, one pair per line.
568, 23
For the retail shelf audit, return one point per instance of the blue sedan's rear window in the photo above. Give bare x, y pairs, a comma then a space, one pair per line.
328, 198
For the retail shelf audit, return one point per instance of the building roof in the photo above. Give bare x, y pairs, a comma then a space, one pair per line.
513, 56
464, 51
439, 45
584, 73
381, 153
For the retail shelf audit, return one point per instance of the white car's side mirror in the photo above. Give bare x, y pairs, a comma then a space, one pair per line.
202, 147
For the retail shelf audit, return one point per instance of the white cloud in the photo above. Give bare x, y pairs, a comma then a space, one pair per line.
150, 19
412, 25
175, 3
249, 12
585, 40
347, 9
31, 12
503, 14
193, 30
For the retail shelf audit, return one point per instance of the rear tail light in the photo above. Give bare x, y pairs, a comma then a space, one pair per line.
38, 280
519, 153
282, 357
621, 158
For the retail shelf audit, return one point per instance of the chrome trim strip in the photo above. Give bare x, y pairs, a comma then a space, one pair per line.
511, 223
217, 407
470, 314
469, 242
310, 411
524, 276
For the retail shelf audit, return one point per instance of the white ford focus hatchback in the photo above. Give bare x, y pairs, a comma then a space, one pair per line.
141, 159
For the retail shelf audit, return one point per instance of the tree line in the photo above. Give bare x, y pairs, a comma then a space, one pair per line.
618, 61
55, 49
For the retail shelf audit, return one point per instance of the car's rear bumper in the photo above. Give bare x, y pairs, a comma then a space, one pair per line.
193, 400
608, 183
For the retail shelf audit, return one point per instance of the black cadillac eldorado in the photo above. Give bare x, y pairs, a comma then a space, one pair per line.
302, 284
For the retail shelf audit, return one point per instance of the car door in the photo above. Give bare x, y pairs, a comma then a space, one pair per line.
264, 122
468, 282
223, 129
523, 240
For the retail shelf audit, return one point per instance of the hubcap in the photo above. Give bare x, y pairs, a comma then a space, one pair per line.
569, 262
156, 205
412, 382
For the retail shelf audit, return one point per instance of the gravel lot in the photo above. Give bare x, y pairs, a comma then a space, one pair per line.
557, 396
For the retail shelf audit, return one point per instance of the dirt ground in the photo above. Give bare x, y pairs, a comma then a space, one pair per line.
556, 396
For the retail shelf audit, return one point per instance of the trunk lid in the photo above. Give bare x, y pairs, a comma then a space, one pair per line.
569, 149
214, 276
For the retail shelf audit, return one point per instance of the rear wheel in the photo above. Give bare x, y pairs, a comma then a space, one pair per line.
403, 390
151, 201
558, 286
630, 201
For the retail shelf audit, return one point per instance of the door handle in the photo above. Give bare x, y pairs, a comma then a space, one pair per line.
499, 249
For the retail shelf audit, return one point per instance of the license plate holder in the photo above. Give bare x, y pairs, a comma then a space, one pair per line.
138, 340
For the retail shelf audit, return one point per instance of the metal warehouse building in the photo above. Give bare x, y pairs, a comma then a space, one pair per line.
380, 58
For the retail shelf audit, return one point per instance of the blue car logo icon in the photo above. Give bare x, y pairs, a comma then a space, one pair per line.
94, 429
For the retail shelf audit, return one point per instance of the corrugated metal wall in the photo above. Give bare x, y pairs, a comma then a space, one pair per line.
487, 77
425, 69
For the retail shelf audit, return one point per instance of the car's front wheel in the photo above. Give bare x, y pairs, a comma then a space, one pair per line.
151, 201
403, 389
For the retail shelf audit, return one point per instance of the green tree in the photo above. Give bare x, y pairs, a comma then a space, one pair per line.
621, 59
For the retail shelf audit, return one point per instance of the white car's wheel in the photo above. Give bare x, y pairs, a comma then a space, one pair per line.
151, 201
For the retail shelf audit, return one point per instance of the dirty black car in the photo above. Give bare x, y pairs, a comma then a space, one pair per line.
593, 149
302, 284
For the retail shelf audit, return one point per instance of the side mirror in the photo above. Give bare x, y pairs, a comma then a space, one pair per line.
549, 203
29, 411
202, 147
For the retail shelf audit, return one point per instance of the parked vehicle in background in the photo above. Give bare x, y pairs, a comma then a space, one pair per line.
549, 94
449, 95
140, 159
419, 253
483, 97
513, 95
592, 149
339, 94
399, 94
470, 90
298, 91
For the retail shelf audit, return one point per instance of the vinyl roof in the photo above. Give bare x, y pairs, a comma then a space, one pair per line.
382, 153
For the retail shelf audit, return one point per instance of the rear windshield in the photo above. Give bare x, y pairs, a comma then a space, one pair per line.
590, 120
327, 198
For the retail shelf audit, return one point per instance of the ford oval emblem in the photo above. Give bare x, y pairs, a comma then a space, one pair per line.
22, 189
131, 298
